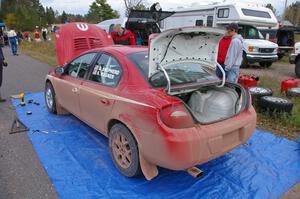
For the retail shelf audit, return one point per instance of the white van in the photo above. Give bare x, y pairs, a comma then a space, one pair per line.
142, 22
248, 16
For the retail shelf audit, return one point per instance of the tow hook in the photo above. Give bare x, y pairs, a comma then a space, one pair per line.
195, 172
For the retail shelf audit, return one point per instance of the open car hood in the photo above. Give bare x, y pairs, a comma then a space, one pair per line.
75, 38
192, 44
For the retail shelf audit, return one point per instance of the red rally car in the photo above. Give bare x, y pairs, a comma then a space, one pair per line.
159, 106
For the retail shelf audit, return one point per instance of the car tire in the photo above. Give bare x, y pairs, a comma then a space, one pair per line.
50, 98
293, 92
244, 63
124, 151
275, 104
258, 92
280, 56
265, 64
297, 68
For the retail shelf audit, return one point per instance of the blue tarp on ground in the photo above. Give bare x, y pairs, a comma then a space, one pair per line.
78, 163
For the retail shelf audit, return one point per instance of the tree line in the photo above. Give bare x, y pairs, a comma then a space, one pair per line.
25, 15
292, 13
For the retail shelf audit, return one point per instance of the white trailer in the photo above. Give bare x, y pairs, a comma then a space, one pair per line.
248, 16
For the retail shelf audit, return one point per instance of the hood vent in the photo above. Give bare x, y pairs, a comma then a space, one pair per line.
80, 44
95, 43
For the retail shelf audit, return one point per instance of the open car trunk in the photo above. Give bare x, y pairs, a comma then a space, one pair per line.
142, 30
145, 22
211, 103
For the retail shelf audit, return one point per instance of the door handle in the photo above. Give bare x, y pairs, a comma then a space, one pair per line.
75, 90
105, 101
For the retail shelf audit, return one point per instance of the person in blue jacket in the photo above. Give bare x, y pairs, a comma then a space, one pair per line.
13, 40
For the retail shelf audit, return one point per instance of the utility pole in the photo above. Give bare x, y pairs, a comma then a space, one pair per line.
285, 5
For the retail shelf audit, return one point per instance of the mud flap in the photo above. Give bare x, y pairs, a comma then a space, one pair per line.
149, 170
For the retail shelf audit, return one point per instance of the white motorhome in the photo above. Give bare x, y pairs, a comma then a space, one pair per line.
248, 16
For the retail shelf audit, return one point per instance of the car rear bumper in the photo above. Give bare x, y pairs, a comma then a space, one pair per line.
261, 58
292, 58
183, 148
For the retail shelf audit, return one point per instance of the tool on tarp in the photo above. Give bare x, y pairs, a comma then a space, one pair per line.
22, 97
18, 127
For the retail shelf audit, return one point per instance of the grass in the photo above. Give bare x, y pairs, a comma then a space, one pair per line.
42, 51
280, 124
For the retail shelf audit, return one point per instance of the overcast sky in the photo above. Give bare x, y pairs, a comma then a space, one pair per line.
81, 7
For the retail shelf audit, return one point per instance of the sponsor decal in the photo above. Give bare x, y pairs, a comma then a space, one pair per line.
82, 26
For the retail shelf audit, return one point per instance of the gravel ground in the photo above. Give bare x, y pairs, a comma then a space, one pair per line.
21, 173
278, 70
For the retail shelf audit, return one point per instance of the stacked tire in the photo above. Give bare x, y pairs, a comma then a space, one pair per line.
293, 92
262, 98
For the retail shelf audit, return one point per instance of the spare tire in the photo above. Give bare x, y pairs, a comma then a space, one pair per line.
258, 92
293, 92
275, 104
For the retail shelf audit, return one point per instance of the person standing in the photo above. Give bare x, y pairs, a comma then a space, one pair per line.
13, 41
234, 55
122, 36
222, 52
2, 60
44, 33
36, 35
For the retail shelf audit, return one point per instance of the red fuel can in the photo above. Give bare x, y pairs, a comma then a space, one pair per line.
289, 83
248, 81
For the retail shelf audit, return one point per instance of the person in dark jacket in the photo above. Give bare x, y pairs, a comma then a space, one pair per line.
1, 66
122, 36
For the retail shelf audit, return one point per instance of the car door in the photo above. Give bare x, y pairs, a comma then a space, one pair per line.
98, 94
68, 89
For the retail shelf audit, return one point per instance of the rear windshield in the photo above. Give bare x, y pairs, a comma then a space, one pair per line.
179, 73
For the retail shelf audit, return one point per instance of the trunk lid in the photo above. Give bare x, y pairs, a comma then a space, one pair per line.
189, 44
148, 15
75, 38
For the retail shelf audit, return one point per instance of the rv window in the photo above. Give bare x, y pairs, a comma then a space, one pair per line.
199, 22
209, 21
223, 13
256, 13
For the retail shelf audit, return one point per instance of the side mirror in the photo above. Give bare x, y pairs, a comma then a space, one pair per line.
59, 70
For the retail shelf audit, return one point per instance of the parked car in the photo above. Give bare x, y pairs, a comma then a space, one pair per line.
159, 106
295, 58
283, 36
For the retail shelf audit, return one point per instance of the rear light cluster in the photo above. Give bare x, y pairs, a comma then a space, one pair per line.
176, 116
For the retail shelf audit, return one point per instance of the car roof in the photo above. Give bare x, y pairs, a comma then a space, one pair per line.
122, 49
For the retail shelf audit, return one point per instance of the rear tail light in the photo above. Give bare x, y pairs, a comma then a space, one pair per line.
176, 116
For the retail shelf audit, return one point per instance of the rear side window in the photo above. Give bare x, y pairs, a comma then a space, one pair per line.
210, 20
107, 71
223, 13
79, 67
141, 61
256, 13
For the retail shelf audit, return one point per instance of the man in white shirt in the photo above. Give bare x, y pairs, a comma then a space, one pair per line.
12, 38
